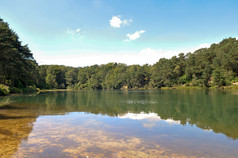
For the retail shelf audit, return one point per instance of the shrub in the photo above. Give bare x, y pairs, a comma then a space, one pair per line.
4, 90
15, 90
30, 89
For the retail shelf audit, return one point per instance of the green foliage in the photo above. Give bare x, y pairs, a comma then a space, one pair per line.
51, 81
4, 90
30, 89
214, 66
14, 90
17, 65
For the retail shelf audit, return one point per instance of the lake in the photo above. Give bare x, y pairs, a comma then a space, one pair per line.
137, 123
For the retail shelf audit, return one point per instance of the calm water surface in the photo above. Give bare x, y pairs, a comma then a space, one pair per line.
156, 123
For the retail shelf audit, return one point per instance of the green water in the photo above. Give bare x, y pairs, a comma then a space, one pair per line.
142, 123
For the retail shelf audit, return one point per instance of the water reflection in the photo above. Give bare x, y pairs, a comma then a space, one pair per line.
144, 116
170, 123
217, 110
77, 139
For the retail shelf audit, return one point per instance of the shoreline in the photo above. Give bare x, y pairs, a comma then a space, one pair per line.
234, 87
231, 87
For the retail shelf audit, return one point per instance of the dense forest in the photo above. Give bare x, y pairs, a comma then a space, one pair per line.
208, 67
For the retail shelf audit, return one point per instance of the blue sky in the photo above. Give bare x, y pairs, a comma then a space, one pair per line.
87, 32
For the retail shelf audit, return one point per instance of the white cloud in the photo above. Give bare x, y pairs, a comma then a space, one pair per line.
78, 30
236, 38
127, 22
91, 57
116, 21
73, 32
147, 116
204, 45
140, 116
135, 35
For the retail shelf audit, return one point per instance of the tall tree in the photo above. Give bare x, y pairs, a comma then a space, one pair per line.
17, 65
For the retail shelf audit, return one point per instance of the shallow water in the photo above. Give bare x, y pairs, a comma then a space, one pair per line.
155, 123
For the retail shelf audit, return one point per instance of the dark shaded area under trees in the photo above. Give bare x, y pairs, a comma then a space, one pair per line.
214, 66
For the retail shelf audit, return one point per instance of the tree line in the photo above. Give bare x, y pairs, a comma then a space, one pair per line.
206, 67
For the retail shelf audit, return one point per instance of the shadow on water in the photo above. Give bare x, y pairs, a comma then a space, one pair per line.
14, 117
10, 107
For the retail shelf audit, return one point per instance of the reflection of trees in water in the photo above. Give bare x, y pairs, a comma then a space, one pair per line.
206, 109
216, 110
16, 123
